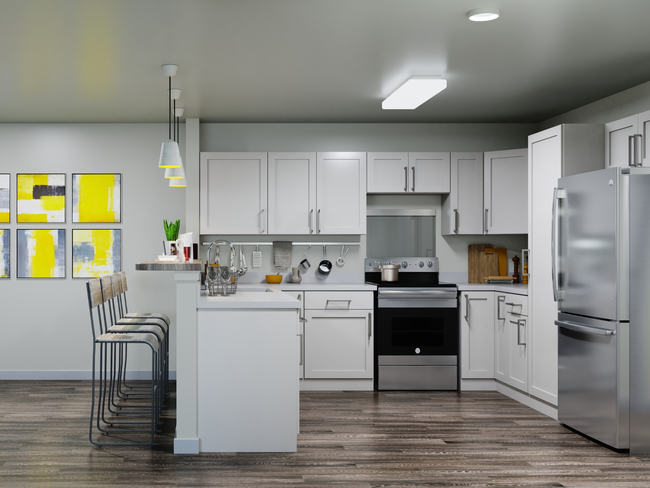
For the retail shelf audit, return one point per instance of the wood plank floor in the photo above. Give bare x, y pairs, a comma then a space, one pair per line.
348, 439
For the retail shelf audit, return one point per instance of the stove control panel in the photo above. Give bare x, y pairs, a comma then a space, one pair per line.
411, 265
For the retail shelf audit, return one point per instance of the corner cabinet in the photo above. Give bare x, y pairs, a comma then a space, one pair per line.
233, 193
477, 334
401, 172
511, 340
340, 193
627, 141
462, 209
505, 192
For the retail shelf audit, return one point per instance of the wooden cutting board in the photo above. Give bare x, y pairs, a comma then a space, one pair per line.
503, 261
488, 264
473, 272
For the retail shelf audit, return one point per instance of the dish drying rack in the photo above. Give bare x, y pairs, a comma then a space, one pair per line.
222, 285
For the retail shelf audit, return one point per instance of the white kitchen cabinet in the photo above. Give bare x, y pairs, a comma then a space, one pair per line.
340, 193
338, 336
553, 153
402, 172
627, 141
300, 332
462, 209
291, 193
505, 192
477, 334
511, 349
233, 193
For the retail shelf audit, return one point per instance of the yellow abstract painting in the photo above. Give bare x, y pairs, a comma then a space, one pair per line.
96, 198
41, 253
96, 252
4, 198
40, 197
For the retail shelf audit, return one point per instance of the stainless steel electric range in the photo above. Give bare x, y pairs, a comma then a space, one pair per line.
416, 326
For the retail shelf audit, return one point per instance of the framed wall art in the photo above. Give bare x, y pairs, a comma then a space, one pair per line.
4, 198
40, 198
96, 198
4, 253
40, 253
96, 252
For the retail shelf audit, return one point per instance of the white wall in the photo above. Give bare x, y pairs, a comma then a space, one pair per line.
45, 322
451, 250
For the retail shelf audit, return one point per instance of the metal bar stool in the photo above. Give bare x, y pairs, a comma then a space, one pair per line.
131, 326
118, 317
107, 344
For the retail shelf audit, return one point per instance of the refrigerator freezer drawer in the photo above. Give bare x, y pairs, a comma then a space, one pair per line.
593, 378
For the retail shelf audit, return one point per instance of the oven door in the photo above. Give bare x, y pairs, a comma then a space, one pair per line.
416, 331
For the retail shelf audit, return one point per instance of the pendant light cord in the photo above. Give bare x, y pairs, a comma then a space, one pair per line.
169, 109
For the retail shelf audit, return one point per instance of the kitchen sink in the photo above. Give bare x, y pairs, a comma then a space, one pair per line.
254, 290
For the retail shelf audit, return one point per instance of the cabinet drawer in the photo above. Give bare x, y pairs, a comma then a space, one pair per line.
516, 304
338, 300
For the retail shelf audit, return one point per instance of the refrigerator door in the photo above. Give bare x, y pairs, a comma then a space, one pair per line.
593, 378
587, 249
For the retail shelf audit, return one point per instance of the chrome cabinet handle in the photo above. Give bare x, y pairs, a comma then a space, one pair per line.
302, 349
500, 299
634, 150
311, 221
318, 222
369, 325
558, 193
519, 324
485, 222
455, 221
262, 220
413, 182
406, 178
467, 303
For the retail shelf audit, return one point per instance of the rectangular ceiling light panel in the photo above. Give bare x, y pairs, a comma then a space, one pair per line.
413, 93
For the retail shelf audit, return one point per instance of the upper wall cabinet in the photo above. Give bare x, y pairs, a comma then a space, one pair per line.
627, 141
423, 172
341, 193
462, 209
233, 197
292, 193
505, 192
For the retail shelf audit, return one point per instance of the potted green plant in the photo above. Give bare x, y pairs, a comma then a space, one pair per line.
171, 233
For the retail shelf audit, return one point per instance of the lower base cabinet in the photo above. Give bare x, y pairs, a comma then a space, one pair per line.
477, 334
510, 331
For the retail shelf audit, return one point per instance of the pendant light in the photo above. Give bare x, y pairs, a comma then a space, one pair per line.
178, 172
177, 182
170, 155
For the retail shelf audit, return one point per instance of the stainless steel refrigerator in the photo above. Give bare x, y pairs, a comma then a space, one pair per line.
601, 282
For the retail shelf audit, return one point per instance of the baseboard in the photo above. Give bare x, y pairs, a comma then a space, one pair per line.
478, 384
528, 400
62, 375
336, 385
186, 446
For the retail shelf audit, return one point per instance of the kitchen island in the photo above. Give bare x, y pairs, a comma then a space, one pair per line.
236, 357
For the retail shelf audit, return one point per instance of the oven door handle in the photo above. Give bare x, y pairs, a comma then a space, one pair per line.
422, 293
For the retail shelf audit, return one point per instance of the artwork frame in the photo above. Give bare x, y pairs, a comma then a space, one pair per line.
96, 252
40, 198
5, 198
41, 253
96, 198
5, 253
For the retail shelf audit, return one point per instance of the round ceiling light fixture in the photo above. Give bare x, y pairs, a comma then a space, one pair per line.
483, 14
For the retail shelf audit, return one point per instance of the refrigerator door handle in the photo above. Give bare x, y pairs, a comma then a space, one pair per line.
557, 194
584, 328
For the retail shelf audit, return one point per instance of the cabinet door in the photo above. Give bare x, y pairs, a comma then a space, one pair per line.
341, 193
338, 344
430, 172
233, 193
388, 172
462, 209
644, 130
477, 334
617, 141
300, 295
292, 193
511, 331
501, 340
505, 192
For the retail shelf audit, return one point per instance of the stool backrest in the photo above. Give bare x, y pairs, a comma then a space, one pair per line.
124, 290
108, 292
117, 292
96, 303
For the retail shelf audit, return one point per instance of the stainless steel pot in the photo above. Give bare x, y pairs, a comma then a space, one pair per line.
389, 272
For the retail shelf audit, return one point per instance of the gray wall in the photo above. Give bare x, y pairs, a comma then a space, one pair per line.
45, 322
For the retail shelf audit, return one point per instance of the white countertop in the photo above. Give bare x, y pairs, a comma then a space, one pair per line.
248, 296
516, 288
326, 287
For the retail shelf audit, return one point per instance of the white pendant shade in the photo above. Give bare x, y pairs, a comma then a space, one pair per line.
177, 183
170, 155
175, 173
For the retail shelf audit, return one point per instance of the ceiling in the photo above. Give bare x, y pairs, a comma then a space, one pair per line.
314, 60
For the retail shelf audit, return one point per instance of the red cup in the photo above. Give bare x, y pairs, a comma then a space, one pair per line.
187, 250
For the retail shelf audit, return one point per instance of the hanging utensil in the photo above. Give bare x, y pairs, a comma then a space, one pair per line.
341, 259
